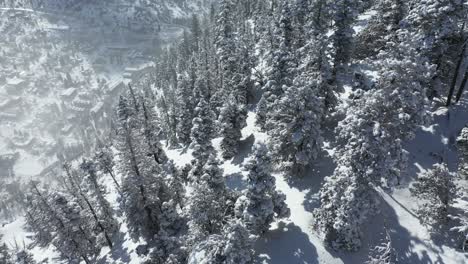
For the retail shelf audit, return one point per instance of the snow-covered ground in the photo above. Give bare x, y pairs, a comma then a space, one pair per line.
293, 240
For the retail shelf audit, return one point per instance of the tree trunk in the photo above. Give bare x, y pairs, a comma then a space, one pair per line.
113, 178
455, 76
93, 212
462, 87
137, 172
85, 259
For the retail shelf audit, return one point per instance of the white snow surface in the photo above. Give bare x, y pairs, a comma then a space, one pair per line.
293, 241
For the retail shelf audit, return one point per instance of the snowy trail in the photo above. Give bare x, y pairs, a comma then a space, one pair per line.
413, 241
291, 241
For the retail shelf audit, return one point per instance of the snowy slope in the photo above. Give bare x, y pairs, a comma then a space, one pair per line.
293, 240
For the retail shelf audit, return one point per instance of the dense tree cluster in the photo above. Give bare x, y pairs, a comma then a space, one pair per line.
286, 62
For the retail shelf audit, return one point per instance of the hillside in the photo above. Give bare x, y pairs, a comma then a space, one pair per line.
331, 132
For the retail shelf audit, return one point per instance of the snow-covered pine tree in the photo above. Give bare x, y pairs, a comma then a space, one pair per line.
437, 27
99, 209
370, 139
209, 65
168, 246
37, 221
226, 42
344, 13
320, 16
260, 204
55, 219
5, 256
238, 248
104, 158
247, 60
70, 184
185, 51
384, 253
152, 130
235, 85
209, 202
196, 33
174, 182
302, 10
73, 235
233, 246
282, 71
185, 99
140, 187
77, 186
23, 256
207, 251
232, 120
167, 250
294, 125
462, 144
168, 114
201, 135
382, 28
346, 201
436, 190
461, 222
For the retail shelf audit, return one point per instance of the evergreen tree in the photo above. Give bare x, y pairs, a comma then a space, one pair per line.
151, 130
24, 257
232, 120
140, 187
344, 14
436, 31
283, 66
462, 144
202, 131
461, 225
261, 203
437, 191
238, 248
382, 28
209, 202
73, 237
320, 16
186, 108
56, 219
5, 256
294, 125
346, 201
370, 139
436, 26
196, 33
98, 207
384, 253
105, 163
233, 246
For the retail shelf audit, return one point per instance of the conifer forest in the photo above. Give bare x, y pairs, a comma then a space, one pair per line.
233, 132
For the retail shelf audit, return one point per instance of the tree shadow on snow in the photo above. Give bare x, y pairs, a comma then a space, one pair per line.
118, 253
437, 143
403, 241
442, 236
287, 244
244, 150
236, 182
312, 180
